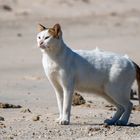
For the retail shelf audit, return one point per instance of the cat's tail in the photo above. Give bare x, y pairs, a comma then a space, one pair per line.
137, 78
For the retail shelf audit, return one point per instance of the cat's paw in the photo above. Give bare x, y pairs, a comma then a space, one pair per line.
109, 122
121, 123
64, 122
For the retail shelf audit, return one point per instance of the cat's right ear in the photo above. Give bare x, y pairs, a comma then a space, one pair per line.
41, 28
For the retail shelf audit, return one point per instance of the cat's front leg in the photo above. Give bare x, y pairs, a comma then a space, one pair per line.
67, 99
59, 97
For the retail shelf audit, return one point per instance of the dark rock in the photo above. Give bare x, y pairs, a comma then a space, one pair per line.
7, 8
136, 107
6, 105
78, 100
1, 118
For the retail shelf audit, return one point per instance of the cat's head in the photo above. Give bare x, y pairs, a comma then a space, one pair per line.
49, 38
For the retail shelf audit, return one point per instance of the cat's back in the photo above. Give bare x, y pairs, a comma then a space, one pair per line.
104, 59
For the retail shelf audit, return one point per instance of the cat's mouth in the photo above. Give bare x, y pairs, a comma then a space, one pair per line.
42, 47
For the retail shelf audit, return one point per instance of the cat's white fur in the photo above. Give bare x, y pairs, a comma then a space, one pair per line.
107, 74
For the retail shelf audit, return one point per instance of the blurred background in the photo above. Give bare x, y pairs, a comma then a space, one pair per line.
112, 25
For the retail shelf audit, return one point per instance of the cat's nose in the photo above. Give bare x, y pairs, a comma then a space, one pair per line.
41, 42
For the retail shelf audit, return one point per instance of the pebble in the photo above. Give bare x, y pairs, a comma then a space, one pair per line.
7, 8
136, 107
92, 129
11, 137
25, 110
90, 134
2, 125
77, 117
36, 118
106, 126
90, 101
1, 118
19, 34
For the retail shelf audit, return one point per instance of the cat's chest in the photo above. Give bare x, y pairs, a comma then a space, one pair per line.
51, 68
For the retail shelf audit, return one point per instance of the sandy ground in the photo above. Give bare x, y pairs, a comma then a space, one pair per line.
112, 25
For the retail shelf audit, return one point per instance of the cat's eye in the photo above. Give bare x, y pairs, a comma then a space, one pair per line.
39, 37
46, 37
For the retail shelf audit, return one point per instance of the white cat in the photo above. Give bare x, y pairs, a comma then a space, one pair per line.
107, 74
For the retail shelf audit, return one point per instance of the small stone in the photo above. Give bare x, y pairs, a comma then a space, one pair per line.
2, 125
19, 34
36, 118
77, 117
90, 102
1, 118
90, 129
33, 133
136, 107
11, 137
106, 126
14, 134
111, 107
90, 134
7, 7
25, 110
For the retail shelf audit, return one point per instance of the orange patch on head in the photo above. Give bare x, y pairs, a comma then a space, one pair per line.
55, 31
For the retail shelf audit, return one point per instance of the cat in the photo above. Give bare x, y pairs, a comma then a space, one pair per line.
107, 74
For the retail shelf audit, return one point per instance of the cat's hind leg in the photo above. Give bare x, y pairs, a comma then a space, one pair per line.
125, 117
116, 116
121, 96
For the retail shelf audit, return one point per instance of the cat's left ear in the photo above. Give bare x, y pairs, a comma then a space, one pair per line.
41, 28
56, 31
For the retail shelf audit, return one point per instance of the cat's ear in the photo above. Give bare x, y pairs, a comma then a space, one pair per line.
41, 28
56, 31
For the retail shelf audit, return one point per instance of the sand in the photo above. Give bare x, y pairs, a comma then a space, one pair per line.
111, 25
